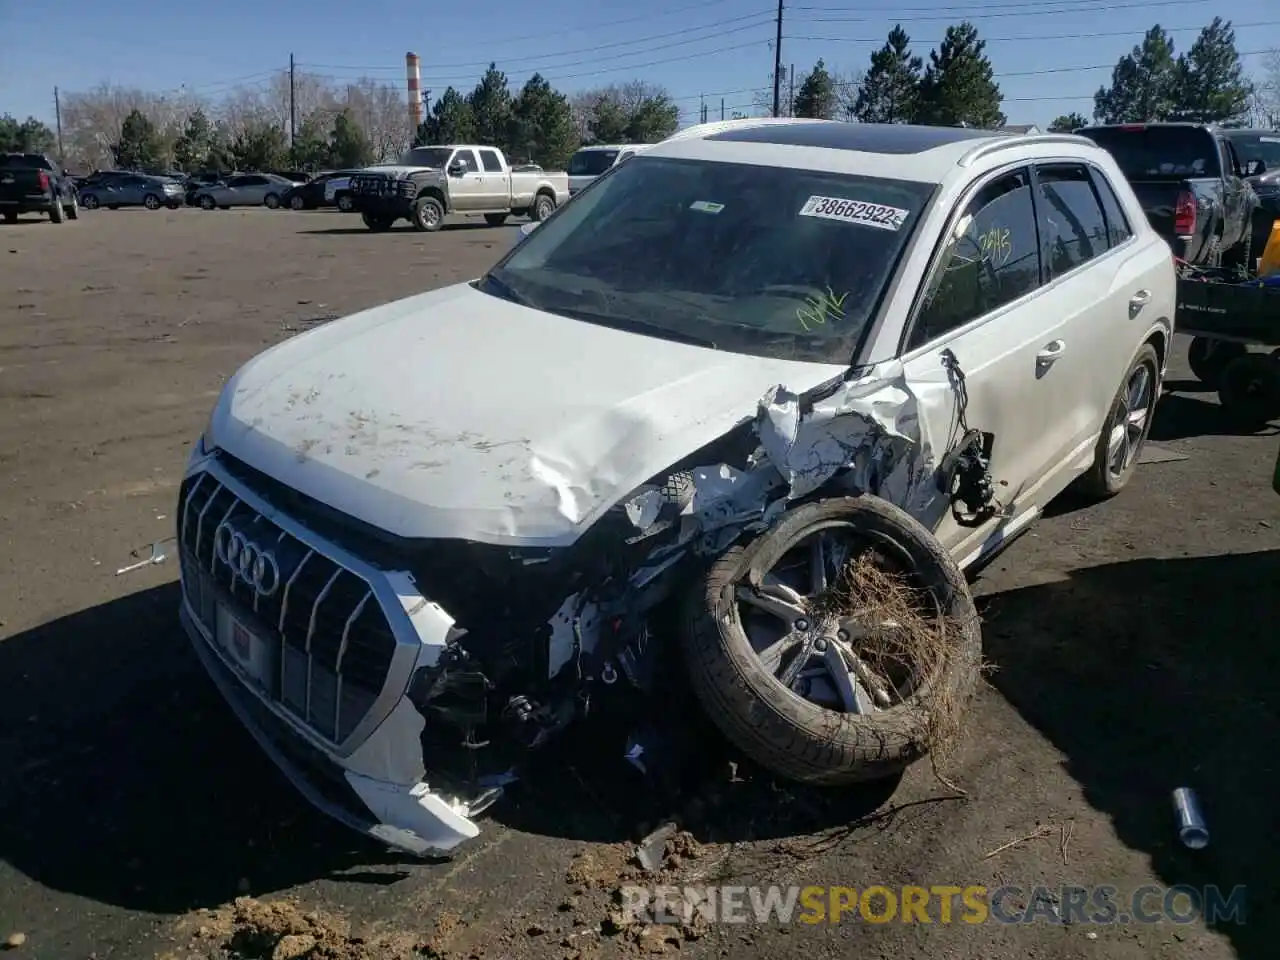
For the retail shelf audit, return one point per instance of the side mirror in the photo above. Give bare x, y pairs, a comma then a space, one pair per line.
457, 169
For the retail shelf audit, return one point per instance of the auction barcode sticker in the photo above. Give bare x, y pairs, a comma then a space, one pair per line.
855, 211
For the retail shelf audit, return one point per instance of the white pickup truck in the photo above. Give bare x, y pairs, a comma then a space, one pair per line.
431, 182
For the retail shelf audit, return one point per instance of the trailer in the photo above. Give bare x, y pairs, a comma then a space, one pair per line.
1226, 316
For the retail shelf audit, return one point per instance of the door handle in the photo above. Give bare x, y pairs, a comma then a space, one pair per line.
1138, 301
1048, 354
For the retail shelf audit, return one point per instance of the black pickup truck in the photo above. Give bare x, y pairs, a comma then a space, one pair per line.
1259, 151
30, 183
1189, 180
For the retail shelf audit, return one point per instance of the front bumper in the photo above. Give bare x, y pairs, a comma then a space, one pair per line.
381, 206
374, 780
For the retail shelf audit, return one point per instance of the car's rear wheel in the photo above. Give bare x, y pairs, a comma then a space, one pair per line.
1208, 357
344, 202
543, 206
73, 210
151, 201
1250, 390
11, 216
788, 659
89, 201
207, 203
1126, 428
56, 213
271, 201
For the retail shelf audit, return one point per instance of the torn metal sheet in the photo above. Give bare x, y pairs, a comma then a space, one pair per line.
157, 552
874, 427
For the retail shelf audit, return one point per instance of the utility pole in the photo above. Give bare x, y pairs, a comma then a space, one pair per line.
702, 108
57, 112
791, 98
722, 108
777, 64
293, 111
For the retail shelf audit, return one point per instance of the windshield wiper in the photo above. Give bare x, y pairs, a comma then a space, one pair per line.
503, 290
637, 326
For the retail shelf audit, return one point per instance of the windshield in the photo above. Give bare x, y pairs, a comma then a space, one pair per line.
591, 163
770, 261
426, 157
1258, 146
1156, 153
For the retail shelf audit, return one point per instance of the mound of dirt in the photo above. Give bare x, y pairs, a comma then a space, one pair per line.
282, 930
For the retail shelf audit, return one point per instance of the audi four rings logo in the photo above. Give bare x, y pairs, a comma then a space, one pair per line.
252, 564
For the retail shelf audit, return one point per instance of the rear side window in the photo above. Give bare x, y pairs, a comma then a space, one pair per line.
492, 164
992, 259
1118, 229
591, 163
1159, 153
1073, 229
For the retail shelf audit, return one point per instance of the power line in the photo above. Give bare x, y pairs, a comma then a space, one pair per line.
1090, 6
719, 29
1059, 36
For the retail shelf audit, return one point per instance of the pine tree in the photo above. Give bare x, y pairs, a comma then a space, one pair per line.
542, 127
1068, 122
958, 86
491, 108
816, 98
139, 147
890, 91
1143, 83
1209, 79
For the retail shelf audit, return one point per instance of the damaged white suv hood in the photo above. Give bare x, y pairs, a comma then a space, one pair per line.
458, 414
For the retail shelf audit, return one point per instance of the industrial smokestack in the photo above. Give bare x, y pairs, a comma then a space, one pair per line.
413, 81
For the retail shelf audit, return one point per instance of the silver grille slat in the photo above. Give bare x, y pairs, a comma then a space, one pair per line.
312, 655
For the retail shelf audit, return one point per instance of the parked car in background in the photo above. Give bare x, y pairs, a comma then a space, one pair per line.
100, 177
921, 338
196, 181
244, 190
590, 162
1259, 151
337, 191
133, 190
312, 194
1190, 181
431, 182
31, 183
293, 176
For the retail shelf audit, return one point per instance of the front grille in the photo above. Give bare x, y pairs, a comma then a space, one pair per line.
378, 186
327, 643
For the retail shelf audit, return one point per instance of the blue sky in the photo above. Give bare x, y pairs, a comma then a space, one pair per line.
720, 48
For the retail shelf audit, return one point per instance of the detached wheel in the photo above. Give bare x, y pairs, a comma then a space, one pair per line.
377, 223
1208, 358
791, 665
427, 215
1126, 428
1250, 390
543, 207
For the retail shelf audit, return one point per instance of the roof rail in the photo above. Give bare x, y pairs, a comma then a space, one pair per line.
1018, 139
719, 126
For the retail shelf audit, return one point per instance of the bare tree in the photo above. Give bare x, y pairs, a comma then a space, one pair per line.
267, 103
92, 120
381, 111
847, 86
1267, 91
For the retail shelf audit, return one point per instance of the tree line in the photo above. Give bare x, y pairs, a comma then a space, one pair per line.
367, 121
957, 84
337, 126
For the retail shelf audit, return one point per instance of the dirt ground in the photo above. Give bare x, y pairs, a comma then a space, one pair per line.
1134, 645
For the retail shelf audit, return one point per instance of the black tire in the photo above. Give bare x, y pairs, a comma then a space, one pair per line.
495, 219
427, 215
271, 201
56, 213
344, 202
113, 206
1208, 358
1103, 481
89, 201
778, 729
544, 205
73, 211
207, 203
151, 202
1250, 390
11, 216
297, 203
378, 223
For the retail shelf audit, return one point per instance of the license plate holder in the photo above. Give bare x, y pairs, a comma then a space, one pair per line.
249, 652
